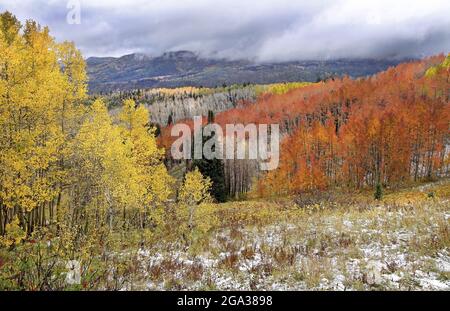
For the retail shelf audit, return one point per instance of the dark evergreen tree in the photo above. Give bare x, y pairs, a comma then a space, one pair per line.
214, 169
378, 195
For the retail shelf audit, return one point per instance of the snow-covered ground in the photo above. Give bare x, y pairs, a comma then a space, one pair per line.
383, 248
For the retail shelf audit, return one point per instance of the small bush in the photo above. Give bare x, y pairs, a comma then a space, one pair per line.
378, 192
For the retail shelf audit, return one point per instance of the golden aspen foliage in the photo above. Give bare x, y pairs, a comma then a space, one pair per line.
107, 173
193, 192
14, 233
147, 157
279, 88
195, 188
434, 70
36, 75
64, 161
195, 205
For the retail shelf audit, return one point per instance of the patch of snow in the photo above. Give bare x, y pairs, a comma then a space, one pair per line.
434, 284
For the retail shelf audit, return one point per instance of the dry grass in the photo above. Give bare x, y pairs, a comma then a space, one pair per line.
401, 242
339, 241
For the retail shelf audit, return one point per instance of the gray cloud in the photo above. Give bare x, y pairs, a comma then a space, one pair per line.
261, 30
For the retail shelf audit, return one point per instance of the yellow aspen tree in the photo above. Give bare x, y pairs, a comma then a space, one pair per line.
193, 192
30, 94
68, 114
152, 173
107, 177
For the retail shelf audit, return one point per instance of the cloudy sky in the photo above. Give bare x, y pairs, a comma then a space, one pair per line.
263, 30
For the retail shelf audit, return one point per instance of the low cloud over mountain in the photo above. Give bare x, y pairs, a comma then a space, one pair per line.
263, 30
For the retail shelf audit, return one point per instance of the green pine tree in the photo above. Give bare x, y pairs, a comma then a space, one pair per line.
378, 192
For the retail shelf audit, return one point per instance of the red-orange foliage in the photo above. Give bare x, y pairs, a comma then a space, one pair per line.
390, 128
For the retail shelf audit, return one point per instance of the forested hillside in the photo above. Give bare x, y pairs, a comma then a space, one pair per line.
386, 130
167, 106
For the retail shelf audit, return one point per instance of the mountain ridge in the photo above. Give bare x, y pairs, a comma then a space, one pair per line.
187, 68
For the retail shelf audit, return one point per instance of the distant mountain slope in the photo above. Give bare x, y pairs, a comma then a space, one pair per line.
184, 68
